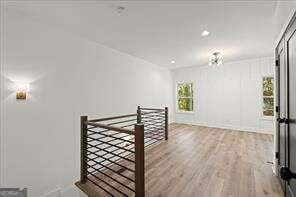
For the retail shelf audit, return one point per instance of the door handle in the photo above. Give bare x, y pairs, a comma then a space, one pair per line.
283, 120
286, 174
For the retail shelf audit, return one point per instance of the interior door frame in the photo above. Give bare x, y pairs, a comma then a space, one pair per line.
287, 34
291, 30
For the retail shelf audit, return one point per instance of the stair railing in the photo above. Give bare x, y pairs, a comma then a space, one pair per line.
112, 150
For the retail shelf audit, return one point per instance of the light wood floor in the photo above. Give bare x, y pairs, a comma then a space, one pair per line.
209, 162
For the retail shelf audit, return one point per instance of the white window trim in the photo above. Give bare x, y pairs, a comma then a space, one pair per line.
177, 98
263, 117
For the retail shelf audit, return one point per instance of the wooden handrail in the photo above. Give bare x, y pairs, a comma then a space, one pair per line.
111, 118
104, 126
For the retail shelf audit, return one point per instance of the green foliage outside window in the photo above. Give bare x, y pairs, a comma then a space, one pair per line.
185, 97
268, 96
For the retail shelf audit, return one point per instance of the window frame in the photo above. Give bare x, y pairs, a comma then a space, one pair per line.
262, 98
177, 98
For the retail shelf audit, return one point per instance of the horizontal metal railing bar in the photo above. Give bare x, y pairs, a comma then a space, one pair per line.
112, 118
124, 121
108, 159
106, 167
94, 139
148, 141
152, 110
95, 127
153, 142
151, 139
94, 160
122, 152
153, 130
116, 149
113, 154
152, 113
114, 134
124, 116
113, 179
122, 130
105, 158
155, 111
115, 146
155, 123
156, 137
101, 155
145, 108
109, 185
94, 153
127, 155
101, 187
153, 133
103, 142
162, 115
111, 144
159, 121
105, 130
153, 117
111, 136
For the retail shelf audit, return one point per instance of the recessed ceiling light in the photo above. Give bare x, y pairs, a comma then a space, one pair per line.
205, 33
172, 61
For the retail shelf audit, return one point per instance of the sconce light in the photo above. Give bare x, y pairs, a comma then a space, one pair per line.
21, 90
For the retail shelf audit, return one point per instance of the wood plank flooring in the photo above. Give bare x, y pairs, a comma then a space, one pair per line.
207, 162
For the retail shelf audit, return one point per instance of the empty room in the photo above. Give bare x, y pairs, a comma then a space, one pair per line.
147, 98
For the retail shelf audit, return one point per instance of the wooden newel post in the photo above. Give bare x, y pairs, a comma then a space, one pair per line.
139, 161
83, 147
139, 116
166, 126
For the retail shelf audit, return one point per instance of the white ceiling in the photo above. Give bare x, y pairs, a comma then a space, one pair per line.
160, 32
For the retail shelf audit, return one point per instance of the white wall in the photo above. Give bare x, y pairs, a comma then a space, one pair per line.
69, 76
228, 96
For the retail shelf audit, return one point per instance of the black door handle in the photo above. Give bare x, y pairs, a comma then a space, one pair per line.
283, 120
286, 174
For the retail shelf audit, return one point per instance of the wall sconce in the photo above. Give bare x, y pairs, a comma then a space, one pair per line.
21, 90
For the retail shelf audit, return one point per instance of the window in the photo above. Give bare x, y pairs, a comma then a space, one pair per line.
268, 96
185, 97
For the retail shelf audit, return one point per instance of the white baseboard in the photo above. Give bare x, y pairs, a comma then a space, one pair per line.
231, 127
